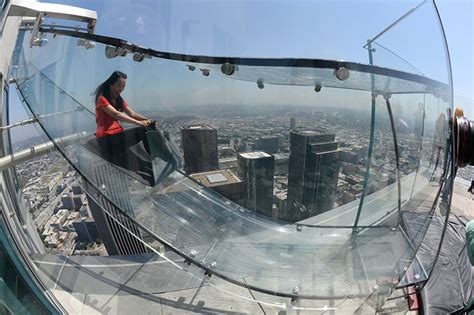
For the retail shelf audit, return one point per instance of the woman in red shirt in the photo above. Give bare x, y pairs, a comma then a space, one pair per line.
110, 108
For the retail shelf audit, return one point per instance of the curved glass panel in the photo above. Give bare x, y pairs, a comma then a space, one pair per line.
19, 293
285, 176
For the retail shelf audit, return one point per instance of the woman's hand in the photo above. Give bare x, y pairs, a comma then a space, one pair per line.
148, 122
155, 122
144, 123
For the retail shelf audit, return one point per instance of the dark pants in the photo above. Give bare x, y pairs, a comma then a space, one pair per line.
113, 146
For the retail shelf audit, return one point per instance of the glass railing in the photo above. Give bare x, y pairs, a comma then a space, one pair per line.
306, 179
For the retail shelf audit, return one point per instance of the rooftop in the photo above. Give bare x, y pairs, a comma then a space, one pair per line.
254, 155
216, 178
198, 127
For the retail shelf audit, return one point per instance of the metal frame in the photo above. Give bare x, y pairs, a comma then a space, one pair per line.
311, 63
262, 62
38, 11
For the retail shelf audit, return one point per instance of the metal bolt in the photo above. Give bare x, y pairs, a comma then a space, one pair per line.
296, 290
193, 253
214, 264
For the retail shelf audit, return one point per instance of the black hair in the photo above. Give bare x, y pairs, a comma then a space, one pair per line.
104, 89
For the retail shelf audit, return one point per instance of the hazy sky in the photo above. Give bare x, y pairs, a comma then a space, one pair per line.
326, 30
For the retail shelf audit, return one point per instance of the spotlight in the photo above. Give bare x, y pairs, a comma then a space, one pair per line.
260, 83
227, 68
121, 52
191, 68
138, 57
317, 87
205, 72
341, 73
87, 44
112, 52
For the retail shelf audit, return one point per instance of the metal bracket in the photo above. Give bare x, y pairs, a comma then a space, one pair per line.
39, 10
35, 39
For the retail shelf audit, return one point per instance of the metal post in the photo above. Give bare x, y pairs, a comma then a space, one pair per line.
397, 156
371, 141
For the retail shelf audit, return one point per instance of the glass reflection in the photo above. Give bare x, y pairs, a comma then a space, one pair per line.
260, 170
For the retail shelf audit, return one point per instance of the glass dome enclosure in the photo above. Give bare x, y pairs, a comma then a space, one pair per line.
311, 177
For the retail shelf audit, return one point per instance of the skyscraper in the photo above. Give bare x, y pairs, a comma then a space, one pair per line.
67, 201
92, 229
292, 123
77, 200
321, 176
312, 176
256, 171
80, 227
199, 149
76, 189
118, 233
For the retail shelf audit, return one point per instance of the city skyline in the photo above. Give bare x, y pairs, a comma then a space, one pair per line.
247, 135
451, 12
282, 169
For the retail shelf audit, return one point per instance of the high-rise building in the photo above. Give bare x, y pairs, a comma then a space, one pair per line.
85, 211
199, 149
321, 177
256, 171
76, 189
80, 227
119, 234
77, 200
312, 176
91, 228
292, 123
59, 188
67, 201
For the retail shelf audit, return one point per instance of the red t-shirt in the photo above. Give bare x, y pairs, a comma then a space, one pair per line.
106, 125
